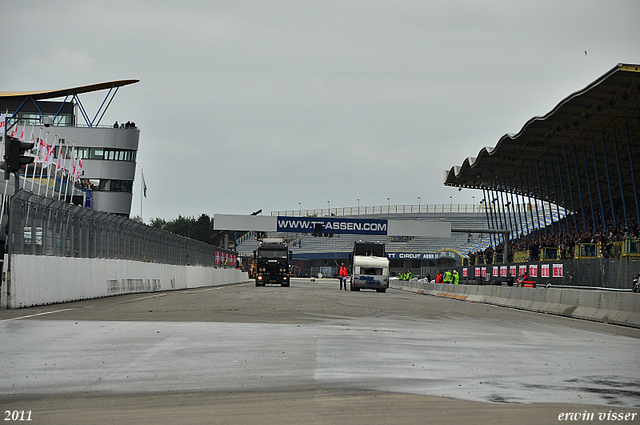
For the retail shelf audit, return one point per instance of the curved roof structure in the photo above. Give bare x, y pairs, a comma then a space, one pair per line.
587, 146
53, 94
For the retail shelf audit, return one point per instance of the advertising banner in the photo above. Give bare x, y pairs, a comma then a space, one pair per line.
557, 270
354, 226
544, 270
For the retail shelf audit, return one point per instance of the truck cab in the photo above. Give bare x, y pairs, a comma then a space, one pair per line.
370, 268
271, 261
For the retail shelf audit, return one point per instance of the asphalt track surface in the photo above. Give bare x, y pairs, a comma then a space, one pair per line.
310, 354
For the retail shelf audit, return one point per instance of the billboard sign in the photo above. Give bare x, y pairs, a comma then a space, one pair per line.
354, 226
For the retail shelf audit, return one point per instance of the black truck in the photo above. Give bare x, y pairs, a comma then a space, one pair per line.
272, 263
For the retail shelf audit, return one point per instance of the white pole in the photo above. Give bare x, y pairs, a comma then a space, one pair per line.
69, 175
50, 151
60, 158
141, 192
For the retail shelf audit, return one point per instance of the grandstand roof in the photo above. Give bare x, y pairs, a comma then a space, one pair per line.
53, 94
595, 131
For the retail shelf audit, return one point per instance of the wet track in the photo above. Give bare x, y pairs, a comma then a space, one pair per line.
310, 337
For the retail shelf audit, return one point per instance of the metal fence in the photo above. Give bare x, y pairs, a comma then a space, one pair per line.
43, 226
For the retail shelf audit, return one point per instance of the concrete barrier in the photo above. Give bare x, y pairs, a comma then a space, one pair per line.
622, 308
40, 280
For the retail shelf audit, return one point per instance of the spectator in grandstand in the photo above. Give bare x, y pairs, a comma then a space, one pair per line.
472, 258
534, 252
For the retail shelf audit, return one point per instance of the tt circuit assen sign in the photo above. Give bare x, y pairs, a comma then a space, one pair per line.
332, 225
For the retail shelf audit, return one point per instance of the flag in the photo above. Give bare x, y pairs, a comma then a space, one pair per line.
144, 185
78, 169
72, 165
48, 160
61, 165
42, 149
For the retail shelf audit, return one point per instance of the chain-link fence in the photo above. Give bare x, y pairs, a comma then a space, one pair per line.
43, 226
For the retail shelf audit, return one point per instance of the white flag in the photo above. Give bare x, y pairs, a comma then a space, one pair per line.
78, 169
61, 165
72, 165
43, 148
48, 160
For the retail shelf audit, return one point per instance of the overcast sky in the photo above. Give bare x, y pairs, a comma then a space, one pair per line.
247, 105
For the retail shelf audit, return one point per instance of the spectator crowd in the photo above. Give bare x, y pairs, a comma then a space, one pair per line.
563, 236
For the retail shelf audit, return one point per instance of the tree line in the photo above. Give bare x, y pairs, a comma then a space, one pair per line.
200, 228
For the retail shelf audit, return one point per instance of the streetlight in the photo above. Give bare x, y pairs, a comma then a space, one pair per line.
473, 202
300, 207
418, 204
328, 207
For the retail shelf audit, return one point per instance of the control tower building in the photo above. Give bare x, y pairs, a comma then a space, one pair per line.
108, 152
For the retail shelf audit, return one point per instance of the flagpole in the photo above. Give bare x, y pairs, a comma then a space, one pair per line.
36, 159
58, 167
6, 182
71, 167
40, 147
49, 162
141, 192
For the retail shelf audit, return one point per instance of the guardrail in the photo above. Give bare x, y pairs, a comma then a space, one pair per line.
45, 226
617, 307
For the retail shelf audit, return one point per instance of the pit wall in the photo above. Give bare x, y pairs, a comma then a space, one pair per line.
40, 280
621, 308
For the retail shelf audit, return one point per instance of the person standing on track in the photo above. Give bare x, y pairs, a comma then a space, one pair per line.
343, 275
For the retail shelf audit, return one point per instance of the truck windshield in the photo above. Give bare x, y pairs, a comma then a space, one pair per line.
267, 253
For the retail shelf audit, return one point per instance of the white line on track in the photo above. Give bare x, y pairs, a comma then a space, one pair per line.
34, 315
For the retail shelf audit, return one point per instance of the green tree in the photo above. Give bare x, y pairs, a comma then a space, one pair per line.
200, 229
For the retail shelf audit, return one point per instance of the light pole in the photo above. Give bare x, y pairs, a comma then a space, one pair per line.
388, 205
328, 207
358, 205
473, 202
300, 208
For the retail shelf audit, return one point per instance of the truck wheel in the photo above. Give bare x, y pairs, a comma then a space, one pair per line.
381, 290
286, 285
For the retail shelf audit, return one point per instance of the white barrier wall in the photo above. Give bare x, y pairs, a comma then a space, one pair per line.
622, 308
39, 280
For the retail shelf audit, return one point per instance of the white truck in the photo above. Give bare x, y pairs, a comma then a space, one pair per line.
370, 269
